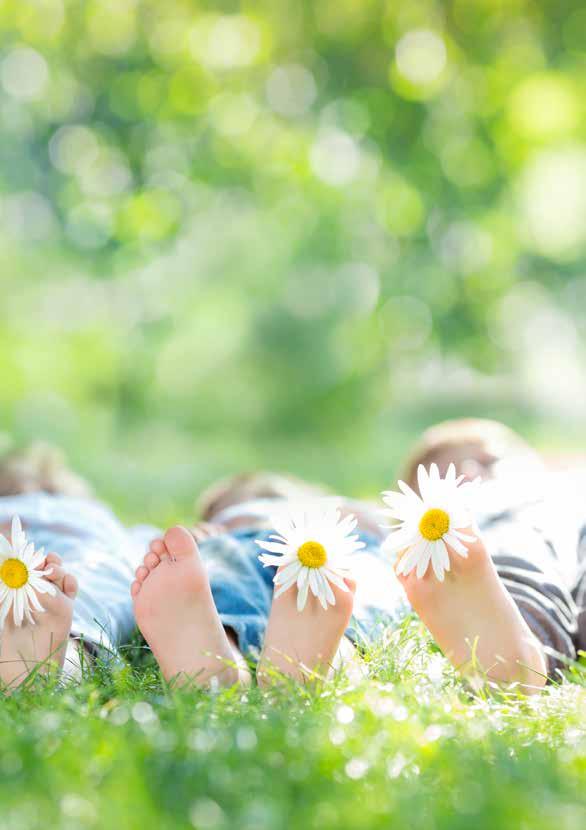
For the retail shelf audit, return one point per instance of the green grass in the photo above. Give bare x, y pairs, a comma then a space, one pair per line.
408, 746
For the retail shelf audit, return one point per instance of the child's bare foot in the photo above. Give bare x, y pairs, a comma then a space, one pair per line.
176, 614
304, 644
41, 646
475, 621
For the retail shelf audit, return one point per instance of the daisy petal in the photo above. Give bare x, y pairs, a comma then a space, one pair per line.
313, 582
268, 560
272, 547
455, 544
398, 541
411, 558
437, 560
41, 586
16, 533
18, 608
283, 588
303, 578
5, 607
423, 563
464, 537
423, 481
321, 590
32, 598
335, 579
290, 570
329, 594
407, 491
302, 597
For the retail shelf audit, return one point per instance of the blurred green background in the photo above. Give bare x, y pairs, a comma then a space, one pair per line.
287, 234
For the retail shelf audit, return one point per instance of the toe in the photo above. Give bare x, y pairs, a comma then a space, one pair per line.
344, 599
157, 547
180, 543
151, 561
56, 576
351, 585
134, 589
142, 573
70, 586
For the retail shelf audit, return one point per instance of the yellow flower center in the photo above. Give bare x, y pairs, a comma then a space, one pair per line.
312, 555
14, 573
434, 524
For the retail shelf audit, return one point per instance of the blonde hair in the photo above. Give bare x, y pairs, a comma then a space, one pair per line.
250, 486
474, 445
40, 467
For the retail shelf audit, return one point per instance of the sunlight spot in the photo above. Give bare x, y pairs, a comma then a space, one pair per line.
396, 765
24, 74
206, 814
421, 56
345, 714
356, 768
335, 157
226, 41
544, 106
143, 712
291, 90
553, 202
337, 736
246, 739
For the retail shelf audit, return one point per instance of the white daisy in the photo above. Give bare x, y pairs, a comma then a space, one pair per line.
430, 522
20, 579
312, 546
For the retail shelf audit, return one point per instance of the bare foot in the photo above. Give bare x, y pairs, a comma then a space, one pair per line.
303, 645
176, 614
41, 646
475, 621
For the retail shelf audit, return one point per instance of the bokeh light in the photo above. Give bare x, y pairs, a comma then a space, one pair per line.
421, 56
24, 74
286, 236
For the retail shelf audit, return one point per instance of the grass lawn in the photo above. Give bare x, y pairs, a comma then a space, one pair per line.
408, 746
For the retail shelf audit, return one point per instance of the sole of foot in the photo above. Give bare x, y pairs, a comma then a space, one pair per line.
475, 621
175, 612
303, 645
41, 647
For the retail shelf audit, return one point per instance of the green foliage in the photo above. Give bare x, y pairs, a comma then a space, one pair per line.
290, 235
409, 746
265, 233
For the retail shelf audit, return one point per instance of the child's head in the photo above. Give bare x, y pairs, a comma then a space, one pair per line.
40, 467
251, 486
477, 447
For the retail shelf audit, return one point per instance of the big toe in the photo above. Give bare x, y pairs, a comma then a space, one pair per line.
345, 599
350, 584
180, 543
70, 586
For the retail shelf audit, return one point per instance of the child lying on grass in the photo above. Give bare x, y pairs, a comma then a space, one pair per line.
514, 608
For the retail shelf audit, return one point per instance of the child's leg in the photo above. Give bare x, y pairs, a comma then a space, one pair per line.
42, 646
176, 614
476, 622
